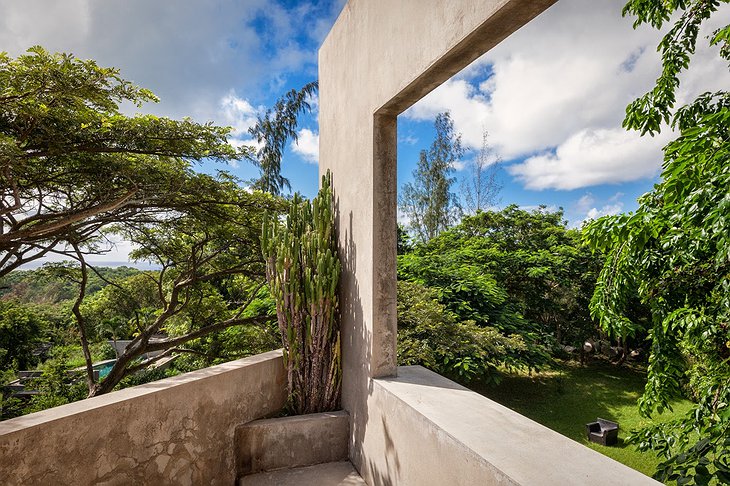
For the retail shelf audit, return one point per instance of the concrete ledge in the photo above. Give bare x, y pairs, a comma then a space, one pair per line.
332, 474
179, 430
464, 438
288, 442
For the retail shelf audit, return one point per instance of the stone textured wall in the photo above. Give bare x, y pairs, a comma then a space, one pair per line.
175, 431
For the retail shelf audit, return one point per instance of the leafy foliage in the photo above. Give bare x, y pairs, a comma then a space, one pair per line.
674, 253
519, 272
273, 130
648, 112
200, 252
43, 286
428, 202
72, 164
74, 169
431, 336
21, 329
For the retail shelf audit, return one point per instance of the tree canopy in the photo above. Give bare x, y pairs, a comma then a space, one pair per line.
674, 253
428, 202
72, 163
273, 130
517, 272
75, 170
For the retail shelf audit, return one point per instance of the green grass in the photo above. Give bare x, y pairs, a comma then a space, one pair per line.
567, 398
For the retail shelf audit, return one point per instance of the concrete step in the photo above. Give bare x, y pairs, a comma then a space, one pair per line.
328, 474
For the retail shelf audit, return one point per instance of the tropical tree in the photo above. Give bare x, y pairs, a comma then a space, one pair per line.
428, 202
21, 330
197, 252
480, 187
674, 253
71, 163
519, 272
272, 131
432, 336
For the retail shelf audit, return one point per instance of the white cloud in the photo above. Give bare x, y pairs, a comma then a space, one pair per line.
585, 202
540, 93
593, 157
27, 23
188, 53
307, 145
460, 165
607, 210
407, 139
238, 113
562, 83
588, 207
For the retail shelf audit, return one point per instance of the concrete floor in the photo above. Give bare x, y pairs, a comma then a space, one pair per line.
329, 474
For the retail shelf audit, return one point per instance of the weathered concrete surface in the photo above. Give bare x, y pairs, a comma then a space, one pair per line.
288, 442
332, 474
381, 57
174, 431
428, 430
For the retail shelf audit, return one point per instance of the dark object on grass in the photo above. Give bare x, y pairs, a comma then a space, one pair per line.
602, 432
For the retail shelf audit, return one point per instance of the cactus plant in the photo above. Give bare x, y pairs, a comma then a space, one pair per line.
303, 271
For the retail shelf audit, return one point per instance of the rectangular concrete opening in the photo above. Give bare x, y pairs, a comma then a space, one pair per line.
380, 58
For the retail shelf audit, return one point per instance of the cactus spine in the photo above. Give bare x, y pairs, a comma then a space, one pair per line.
303, 271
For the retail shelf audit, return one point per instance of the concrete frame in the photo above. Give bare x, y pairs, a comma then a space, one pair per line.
380, 57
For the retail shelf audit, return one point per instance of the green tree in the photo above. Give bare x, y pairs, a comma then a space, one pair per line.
674, 253
480, 187
543, 266
432, 336
519, 272
120, 308
522, 272
428, 202
273, 130
21, 330
71, 163
197, 252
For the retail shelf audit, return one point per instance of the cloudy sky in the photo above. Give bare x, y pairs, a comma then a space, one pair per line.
551, 97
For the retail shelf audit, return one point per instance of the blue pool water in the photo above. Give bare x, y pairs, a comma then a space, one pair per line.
104, 369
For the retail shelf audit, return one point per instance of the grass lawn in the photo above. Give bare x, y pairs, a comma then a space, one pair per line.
567, 398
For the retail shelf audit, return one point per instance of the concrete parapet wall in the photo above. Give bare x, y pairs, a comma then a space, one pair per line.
427, 430
380, 57
178, 430
288, 442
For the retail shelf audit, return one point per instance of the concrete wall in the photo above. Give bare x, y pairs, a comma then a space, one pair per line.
288, 442
380, 57
428, 430
174, 431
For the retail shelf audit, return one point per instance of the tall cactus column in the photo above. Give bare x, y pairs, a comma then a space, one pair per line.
303, 270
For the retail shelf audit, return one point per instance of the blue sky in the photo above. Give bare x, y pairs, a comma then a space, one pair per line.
552, 96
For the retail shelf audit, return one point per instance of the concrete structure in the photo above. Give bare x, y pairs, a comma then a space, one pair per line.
425, 429
174, 431
288, 442
380, 58
330, 474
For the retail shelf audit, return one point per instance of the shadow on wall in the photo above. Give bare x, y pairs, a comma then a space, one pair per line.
357, 354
